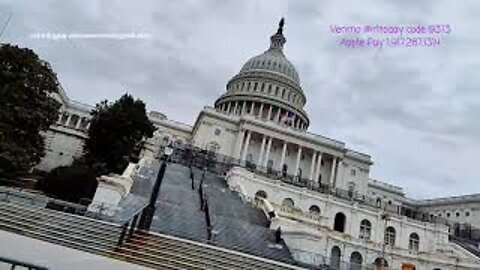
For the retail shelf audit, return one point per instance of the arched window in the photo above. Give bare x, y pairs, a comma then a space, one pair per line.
365, 229
263, 87
261, 194
413, 242
379, 202
276, 90
339, 223
390, 235
269, 88
255, 86
288, 202
335, 258
314, 209
380, 263
356, 261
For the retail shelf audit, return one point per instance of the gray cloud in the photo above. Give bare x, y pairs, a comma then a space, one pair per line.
413, 109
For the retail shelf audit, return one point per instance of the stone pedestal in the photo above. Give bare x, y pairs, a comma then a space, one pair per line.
111, 190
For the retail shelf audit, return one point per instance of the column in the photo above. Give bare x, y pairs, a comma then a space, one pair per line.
269, 115
68, 120
259, 162
260, 113
297, 164
235, 107
229, 106
332, 170
245, 148
238, 144
284, 151
244, 106
252, 107
312, 165
267, 153
277, 119
319, 164
294, 119
77, 126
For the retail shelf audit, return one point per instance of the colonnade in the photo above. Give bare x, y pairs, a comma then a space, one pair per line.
243, 146
264, 111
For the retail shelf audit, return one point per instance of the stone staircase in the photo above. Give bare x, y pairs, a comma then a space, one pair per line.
152, 250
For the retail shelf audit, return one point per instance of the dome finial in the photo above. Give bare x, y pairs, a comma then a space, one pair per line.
277, 40
280, 26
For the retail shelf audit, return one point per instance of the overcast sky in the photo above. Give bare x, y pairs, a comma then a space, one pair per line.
414, 110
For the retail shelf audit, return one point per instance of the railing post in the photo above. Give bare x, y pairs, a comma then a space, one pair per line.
122, 234
132, 226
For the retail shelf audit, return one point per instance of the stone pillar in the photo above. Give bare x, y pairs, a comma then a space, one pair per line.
297, 164
259, 162
267, 153
235, 107
332, 171
294, 119
238, 144
277, 118
260, 113
319, 164
282, 160
244, 107
68, 120
312, 165
229, 106
247, 143
269, 115
252, 107
77, 126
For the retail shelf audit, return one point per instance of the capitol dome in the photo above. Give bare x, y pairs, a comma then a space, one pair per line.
272, 60
267, 86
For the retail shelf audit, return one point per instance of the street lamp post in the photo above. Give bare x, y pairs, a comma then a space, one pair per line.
149, 211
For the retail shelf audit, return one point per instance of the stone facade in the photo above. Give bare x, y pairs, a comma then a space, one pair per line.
260, 120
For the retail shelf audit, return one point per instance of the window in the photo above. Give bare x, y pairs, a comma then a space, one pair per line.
261, 194
390, 236
217, 131
365, 229
283, 93
314, 209
379, 202
353, 172
288, 203
248, 86
277, 89
356, 261
413, 242
263, 87
339, 223
467, 214
269, 88
255, 87
457, 214
335, 258
448, 214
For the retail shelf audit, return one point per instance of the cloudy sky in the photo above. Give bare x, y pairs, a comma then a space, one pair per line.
414, 110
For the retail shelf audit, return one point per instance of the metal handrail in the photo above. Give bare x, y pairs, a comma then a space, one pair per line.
14, 263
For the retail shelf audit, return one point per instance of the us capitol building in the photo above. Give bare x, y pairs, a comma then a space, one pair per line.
316, 189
